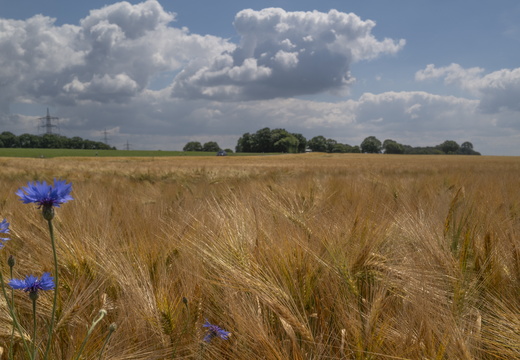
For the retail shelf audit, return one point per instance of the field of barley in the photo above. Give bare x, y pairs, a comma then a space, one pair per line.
309, 256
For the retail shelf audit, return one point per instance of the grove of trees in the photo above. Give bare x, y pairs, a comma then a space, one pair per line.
266, 141
210, 146
49, 141
280, 140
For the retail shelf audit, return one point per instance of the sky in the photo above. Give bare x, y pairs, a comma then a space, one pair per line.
156, 74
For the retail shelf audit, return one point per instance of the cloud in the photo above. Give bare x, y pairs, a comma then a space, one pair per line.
96, 74
104, 88
497, 91
284, 54
112, 54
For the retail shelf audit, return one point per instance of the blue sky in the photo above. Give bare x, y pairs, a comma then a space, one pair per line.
157, 74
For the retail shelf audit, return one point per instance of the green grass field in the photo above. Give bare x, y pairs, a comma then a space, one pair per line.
51, 153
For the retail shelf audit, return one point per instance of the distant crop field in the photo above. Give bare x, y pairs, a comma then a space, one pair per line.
309, 256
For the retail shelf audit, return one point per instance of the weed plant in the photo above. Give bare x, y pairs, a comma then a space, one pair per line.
296, 257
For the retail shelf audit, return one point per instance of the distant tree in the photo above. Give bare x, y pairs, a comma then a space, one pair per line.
77, 143
210, 146
371, 145
276, 144
331, 143
287, 144
89, 144
302, 142
9, 139
448, 147
354, 149
339, 148
229, 151
245, 143
466, 145
428, 150
267, 140
51, 141
29, 141
466, 148
318, 144
392, 147
262, 141
193, 146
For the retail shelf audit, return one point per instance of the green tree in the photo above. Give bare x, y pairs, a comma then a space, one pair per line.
339, 148
283, 141
210, 146
353, 149
392, 147
262, 141
318, 144
371, 145
331, 143
302, 142
193, 146
449, 147
288, 144
29, 141
466, 148
245, 143
466, 145
9, 139
52, 141
77, 143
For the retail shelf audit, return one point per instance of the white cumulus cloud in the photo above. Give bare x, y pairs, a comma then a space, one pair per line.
498, 90
111, 55
296, 53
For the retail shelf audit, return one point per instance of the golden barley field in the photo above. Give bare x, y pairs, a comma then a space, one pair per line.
311, 256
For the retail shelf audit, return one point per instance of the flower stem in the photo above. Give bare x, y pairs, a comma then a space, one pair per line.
11, 350
34, 325
56, 282
13, 316
111, 330
100, 316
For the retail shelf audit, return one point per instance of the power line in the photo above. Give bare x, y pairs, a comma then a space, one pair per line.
47, 123
105, 137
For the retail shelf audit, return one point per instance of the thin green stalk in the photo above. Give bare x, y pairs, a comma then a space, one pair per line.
10, 306
111, 330
34, 297
100, 316
56, 289
11, 342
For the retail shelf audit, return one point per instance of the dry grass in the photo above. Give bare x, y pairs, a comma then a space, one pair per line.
301, 257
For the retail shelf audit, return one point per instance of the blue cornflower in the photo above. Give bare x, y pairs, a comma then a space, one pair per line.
32, 284
46, 195
4, 229
215, 331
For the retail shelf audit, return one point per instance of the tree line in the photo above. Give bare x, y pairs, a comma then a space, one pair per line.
49, 141
280, 140
210, 146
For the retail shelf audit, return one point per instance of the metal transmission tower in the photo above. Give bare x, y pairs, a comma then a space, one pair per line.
47, 122
105, 137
